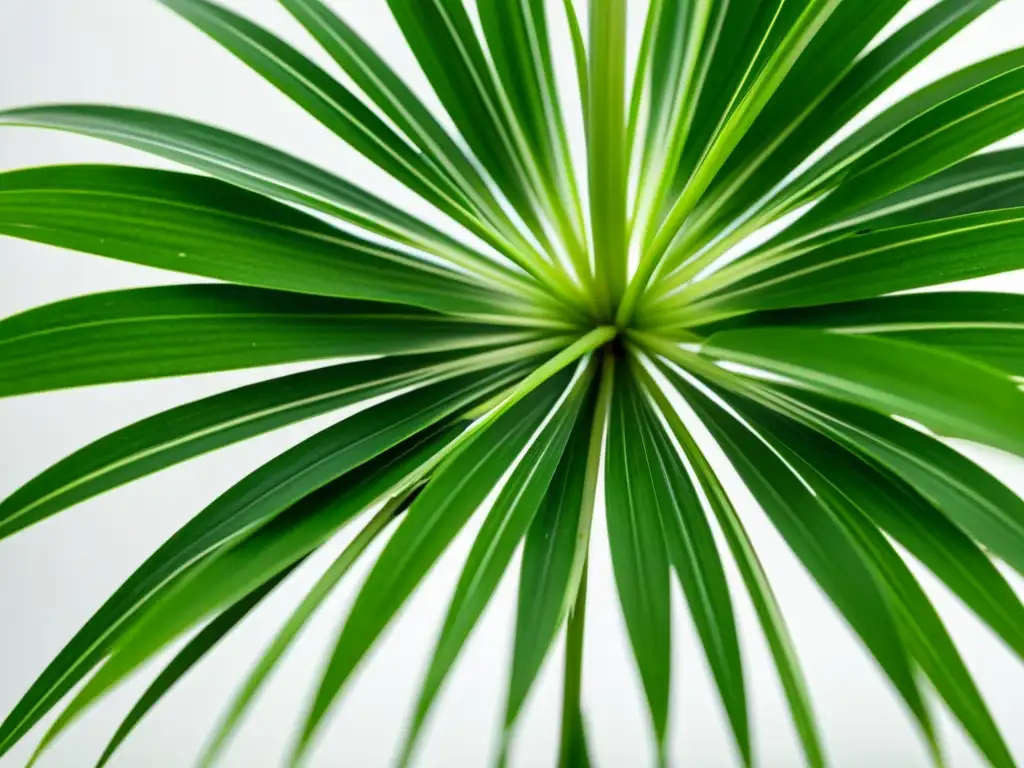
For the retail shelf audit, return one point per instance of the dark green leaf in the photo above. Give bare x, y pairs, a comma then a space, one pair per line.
549, 554
503, 529
303, 613
240, 512
440, 512
639, 556
755, 579
762, 161
820, 541
851, 489
322, 96
988, 327
694, 556
193, 429
186, 329
258, 168
205, 227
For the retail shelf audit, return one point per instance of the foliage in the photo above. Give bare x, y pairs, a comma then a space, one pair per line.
576, 324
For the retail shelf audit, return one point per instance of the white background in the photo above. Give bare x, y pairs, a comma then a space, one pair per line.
53, 576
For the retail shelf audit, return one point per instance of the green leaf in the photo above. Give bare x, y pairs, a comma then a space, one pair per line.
829, 90
440, 512
864, 266
383, 86
572, 750
986, 182
694, 556
850, 488
820, 541
238, 513
205, 227
303, 613
933, 141
640, 560
968, 400
503, 529
754, 578
323, 97
518, 40
790, 51
608, 164
205, 425
941, 501
261, 169
182, 663
440, 34
679, 38
549, 554
579, 50
972, 499
187, 329
987, 327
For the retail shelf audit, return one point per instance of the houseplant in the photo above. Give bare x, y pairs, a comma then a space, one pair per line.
530, 343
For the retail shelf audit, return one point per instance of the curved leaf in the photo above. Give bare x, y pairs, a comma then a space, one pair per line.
241, 511
785, 137
694, 556
988, 327
754, 578
182, 663
850, 488
322, 96
187, 329
205, 227
968, 400
298, 619
863, 266
263, 170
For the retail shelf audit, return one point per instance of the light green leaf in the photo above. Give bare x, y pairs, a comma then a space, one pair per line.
572, 750
968, 400
183, 662
608, 164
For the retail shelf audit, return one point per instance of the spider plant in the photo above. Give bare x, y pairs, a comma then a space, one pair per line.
578, 323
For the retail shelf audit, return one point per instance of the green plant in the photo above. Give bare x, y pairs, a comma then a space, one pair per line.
526, 352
